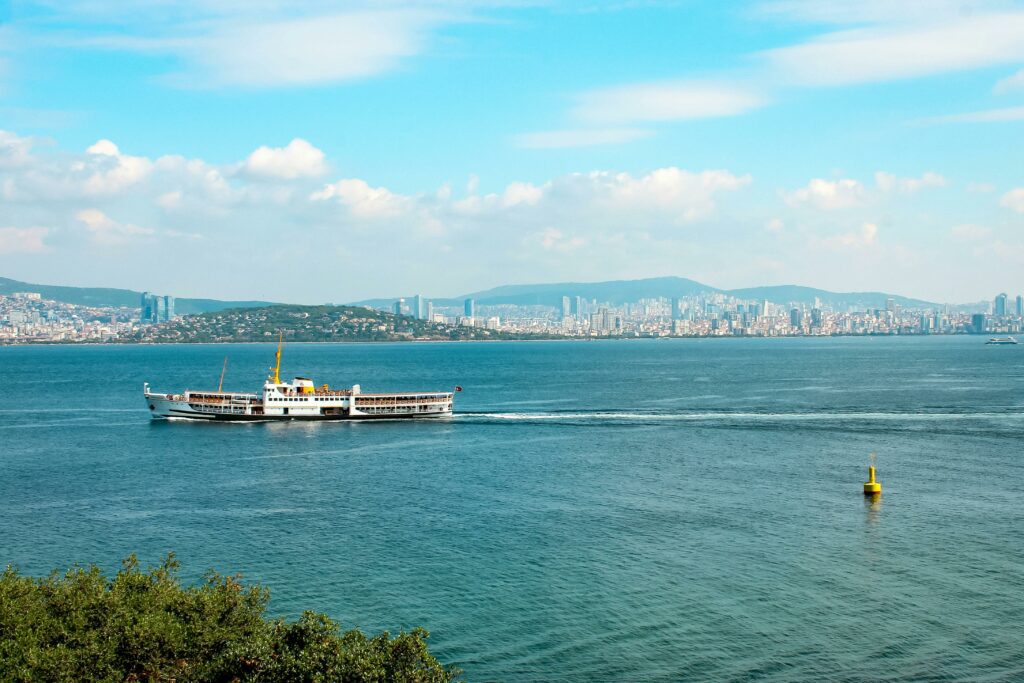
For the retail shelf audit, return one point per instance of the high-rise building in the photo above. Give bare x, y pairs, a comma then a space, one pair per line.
1000, 305
816, 317
145, 308
796, 318
566, 308
399, 307
154, 308
469, 307
677, 308
429, 311
1020, 305
416, 307
577, 307
978, 323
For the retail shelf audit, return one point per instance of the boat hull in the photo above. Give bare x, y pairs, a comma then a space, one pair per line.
175, 407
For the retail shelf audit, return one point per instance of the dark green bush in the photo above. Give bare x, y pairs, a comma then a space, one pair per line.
146, 626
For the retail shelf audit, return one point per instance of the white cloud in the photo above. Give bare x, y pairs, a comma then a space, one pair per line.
775, 225
828, 195
1014, 199
968, 232
980, 188
986, 116
562, 139
903, 50
14, 150
888, 182
362, 199
23, 240
107, 232
874, 11
112, 171
665, 101
554, 239
1014, 83
298, 160
863, 238
271, 44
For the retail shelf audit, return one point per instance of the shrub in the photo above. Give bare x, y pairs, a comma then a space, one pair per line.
146, 626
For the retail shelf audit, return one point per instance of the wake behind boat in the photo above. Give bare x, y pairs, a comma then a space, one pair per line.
299, 399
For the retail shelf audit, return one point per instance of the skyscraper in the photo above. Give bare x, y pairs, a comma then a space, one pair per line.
677, 308
1020, 305
399, 307
796, 318
978, 322
146, 308
1000, 305
566, 308
417, 307
168, 308
469, 308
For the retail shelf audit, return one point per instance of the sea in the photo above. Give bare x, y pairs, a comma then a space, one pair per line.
649, 510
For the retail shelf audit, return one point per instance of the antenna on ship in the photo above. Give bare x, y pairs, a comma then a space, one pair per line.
223, 370
277, 357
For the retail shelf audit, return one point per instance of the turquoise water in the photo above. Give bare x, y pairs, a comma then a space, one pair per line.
598, 511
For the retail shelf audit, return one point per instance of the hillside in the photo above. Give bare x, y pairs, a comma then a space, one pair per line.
308, 324
623, 291
117, 298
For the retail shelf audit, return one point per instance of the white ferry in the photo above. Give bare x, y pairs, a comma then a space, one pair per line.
1002, 340
299, 399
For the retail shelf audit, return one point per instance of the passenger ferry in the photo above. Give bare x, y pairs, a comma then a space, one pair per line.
299, 399
1002, 340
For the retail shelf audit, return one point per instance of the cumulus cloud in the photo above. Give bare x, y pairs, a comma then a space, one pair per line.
298, 159
828, 195
110, 171
889, 182
1014, 200
14, 150
362, 199
107, 232
864, 237
23, 240
665, 101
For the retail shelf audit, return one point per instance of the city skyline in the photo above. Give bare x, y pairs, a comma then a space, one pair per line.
362, 151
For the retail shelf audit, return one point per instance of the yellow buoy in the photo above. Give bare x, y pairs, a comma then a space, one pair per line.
872, 487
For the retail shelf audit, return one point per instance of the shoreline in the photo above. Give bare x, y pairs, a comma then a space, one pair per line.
499, 341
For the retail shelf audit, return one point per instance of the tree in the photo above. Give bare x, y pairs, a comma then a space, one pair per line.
143, 625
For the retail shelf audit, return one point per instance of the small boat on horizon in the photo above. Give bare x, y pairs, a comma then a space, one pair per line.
1002, 340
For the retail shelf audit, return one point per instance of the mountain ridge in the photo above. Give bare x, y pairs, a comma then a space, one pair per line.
114, 297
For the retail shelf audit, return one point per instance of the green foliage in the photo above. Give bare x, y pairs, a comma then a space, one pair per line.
310, 324
146, 626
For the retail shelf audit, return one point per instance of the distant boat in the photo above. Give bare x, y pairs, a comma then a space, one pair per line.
1002, 340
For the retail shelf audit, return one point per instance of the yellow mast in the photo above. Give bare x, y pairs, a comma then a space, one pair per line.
277, 356
223, 370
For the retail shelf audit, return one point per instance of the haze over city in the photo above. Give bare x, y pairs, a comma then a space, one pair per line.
370, 150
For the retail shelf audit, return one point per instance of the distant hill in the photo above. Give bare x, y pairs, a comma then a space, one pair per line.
104, 296
309, 324
623, 291
841, 300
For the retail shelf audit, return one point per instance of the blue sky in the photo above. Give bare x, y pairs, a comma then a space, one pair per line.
222, 148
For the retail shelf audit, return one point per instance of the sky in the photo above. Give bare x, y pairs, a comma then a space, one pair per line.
314, 152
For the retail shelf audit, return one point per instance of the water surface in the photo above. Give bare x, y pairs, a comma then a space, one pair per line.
603, 511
